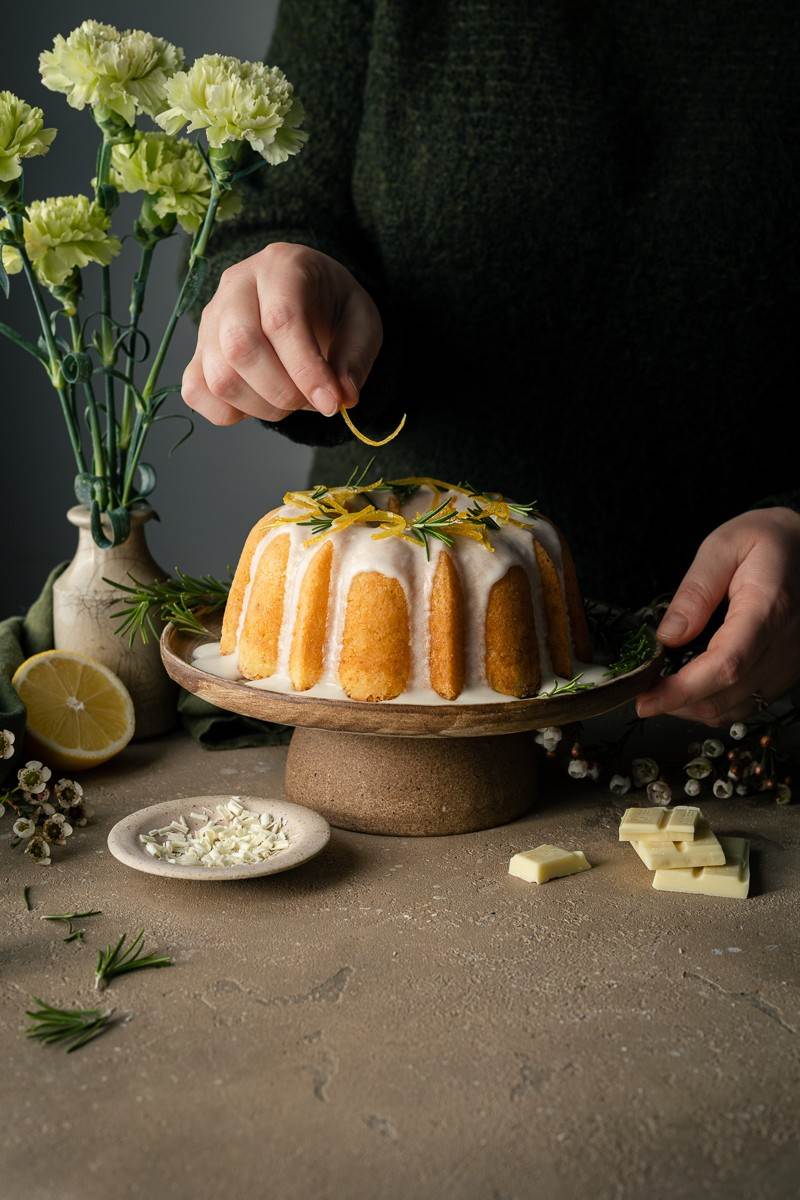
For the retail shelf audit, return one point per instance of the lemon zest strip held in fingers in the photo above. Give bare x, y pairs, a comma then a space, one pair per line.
362, 437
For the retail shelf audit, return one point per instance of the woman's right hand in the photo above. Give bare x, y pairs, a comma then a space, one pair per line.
288, 328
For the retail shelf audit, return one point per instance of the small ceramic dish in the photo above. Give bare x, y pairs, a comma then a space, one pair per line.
308, 832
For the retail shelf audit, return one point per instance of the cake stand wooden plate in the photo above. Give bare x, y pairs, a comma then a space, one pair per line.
407, 769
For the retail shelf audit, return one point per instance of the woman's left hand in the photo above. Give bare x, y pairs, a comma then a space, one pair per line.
754, 560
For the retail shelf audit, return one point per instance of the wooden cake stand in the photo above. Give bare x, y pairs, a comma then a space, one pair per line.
407, 769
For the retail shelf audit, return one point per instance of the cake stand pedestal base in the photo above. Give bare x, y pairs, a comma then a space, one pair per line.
412, 786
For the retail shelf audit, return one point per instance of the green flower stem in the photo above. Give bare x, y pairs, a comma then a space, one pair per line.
54, 368
144, 420
99, 464
136, 305
107, 349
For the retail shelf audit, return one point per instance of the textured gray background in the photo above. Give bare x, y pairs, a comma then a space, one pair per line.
221, 479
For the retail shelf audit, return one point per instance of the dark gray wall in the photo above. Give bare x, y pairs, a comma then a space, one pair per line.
219, 481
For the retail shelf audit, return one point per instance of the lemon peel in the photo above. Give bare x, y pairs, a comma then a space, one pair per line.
362, 437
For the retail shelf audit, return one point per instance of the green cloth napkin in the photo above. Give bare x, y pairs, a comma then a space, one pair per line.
22, 636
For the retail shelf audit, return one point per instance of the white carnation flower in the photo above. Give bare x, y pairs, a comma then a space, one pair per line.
235, 101
21, 135
124, 71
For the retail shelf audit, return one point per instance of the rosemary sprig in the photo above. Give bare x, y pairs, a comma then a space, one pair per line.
177, 599
569, 687
26, 896
68, 918
358, 475
119, 960
637, 648
433, 524
75, 935
73, 1027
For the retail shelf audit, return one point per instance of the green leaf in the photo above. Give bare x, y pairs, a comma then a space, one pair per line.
4, 280
181, 440
22, 342
77, 368
140, 400
120, 519
145, 479
98, 533
84, 489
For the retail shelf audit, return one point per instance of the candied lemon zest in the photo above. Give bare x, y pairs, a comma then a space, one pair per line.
328, 509
362, 437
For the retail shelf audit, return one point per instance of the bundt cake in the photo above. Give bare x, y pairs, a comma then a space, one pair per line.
412, 588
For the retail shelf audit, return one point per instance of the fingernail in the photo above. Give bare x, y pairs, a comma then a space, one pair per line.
674, 625
644, 707
351, 387
324, 401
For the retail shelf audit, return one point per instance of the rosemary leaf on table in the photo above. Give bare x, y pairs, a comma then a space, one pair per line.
72, 1027
26, 896
179, 600
119, 960
68, 918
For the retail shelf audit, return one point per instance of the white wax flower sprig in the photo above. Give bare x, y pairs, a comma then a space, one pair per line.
36, 825
243, 111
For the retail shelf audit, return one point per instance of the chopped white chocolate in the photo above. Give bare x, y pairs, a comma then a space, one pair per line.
704, 851
659, 824
732, 880
547, 862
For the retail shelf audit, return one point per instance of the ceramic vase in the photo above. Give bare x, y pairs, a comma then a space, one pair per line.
82, 606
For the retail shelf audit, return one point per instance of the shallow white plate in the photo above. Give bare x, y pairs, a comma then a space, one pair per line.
308, 834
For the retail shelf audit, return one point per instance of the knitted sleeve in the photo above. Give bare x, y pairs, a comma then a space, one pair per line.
323, 49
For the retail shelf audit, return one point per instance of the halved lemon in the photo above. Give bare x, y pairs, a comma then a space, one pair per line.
79, 713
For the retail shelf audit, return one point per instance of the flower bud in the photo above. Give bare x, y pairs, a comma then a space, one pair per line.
644, 771
659, 792
578, 768
698, 768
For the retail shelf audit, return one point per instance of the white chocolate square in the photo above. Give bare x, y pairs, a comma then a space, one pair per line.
704, 851
732, 880
547, 862
659, 824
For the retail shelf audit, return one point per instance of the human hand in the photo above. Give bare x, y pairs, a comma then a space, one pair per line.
754, 560
288, 328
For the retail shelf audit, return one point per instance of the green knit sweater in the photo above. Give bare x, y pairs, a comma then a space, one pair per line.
579, 222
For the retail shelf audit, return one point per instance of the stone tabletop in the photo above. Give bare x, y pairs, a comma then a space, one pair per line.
399, 1018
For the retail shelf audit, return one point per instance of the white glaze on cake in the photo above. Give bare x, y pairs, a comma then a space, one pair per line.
356, 550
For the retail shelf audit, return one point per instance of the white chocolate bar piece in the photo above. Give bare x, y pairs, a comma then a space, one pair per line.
547, 862
732, 880
704, 851
659, 824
